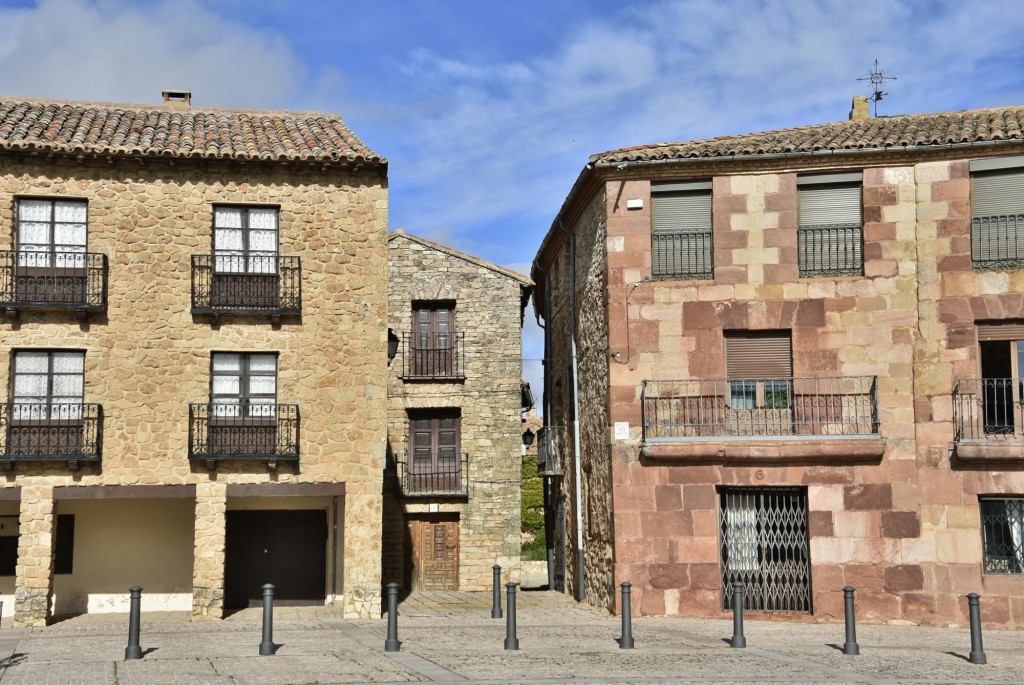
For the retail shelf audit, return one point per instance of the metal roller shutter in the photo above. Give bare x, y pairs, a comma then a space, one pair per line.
997, 193
758, 354
836, 203
1001, 331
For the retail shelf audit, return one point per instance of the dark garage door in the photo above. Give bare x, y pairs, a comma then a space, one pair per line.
285, 548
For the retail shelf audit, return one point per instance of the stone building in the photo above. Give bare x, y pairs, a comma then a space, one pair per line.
793, 360
193, 358
455, 399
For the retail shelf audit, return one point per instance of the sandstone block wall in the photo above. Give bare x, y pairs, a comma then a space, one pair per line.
488, 313
147, 357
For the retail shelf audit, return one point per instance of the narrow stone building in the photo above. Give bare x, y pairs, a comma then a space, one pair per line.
455, 400
792, 360
193, 356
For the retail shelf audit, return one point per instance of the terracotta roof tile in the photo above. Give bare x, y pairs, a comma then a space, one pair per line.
98, 128
1001, 123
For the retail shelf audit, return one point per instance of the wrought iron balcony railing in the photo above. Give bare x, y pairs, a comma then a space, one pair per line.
246, 284
53, 280
997, 242
436, 474
439, 356
246, 432
988, 409
760, 407
71, 432
830, 250
682, 254
551, 446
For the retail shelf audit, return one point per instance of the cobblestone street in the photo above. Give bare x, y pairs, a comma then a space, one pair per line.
450, 637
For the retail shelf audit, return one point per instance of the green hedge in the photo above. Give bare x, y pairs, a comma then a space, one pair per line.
533, 511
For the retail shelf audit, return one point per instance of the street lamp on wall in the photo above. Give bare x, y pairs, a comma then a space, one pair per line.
528, 437
392, 345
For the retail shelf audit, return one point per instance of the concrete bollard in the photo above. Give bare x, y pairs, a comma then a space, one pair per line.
851, 647
737, 616
391, 644
626, 641
977, 650
267, 644
496, 593
511, 641
133, 650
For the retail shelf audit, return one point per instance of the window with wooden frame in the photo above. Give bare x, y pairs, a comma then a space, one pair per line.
681, 244
1001, 360
997, 213
243, 384
433, 338
830, 234
51, 233
245, 239
47, 384
434, 444
759, 365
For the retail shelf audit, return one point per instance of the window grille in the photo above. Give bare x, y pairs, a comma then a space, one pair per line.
830, 232
681, 245
1002, 527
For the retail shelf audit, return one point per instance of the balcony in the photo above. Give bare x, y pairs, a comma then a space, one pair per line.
246, 284
988, 419
762, 419
437, 357
551, 446
997, 242
243, 432
75, 281
68, 432
434, 475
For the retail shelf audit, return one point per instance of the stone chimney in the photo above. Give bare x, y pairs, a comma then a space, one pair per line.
177, 99
859, 109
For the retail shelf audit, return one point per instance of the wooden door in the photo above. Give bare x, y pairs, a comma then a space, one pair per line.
435, 553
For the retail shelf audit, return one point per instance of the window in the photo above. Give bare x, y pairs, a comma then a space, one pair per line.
829, 236
1001, 352
51, 233
245, 239
1002, 530
47, 385
997, 213
434, 440
243, 384
681, 234
765, 545
433, 339
760, 368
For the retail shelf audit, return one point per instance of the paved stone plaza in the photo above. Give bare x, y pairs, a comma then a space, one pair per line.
450, 637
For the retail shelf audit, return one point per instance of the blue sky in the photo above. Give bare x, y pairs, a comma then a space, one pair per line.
488, 109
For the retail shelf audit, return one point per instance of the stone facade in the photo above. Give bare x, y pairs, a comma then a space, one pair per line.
476, 377
896, 514
147, 356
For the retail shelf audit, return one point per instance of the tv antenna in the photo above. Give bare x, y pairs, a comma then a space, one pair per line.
877, 78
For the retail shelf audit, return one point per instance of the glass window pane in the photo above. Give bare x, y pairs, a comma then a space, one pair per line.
69, 234
33, 234
227, 362
34, 210
263, 218
262, 241
67, 386
25, 410
68, 362
229, 262
262, 263
263, 362
72, 212
31, 362
224, 408
227, 217
227, 240
262, 385
70, 260
29, 386
226, 385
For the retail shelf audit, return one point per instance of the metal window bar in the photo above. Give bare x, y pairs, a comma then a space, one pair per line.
444, 473
435, 355
988, 409
682, 254
830, 250
765, 407
53, 280
1002, 527
267, 284
256, 432
551, 451
764, 544
39, 431
997, 241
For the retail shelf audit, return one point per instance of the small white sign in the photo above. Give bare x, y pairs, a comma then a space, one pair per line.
622, 430
434, 508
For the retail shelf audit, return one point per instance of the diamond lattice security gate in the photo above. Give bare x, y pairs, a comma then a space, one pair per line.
764, 545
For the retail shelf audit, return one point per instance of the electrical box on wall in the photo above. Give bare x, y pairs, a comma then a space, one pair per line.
8, 526
635, 203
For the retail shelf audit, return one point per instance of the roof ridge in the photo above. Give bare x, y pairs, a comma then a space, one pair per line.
402, 233
160, 107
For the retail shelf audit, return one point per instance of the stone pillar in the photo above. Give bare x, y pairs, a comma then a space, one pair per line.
34, 575
362, 536
208, 568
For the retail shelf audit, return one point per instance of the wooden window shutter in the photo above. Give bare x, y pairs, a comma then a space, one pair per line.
758, 354
1002, 330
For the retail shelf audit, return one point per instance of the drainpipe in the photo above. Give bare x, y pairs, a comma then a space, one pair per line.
581, 591
334, 549
549, 527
